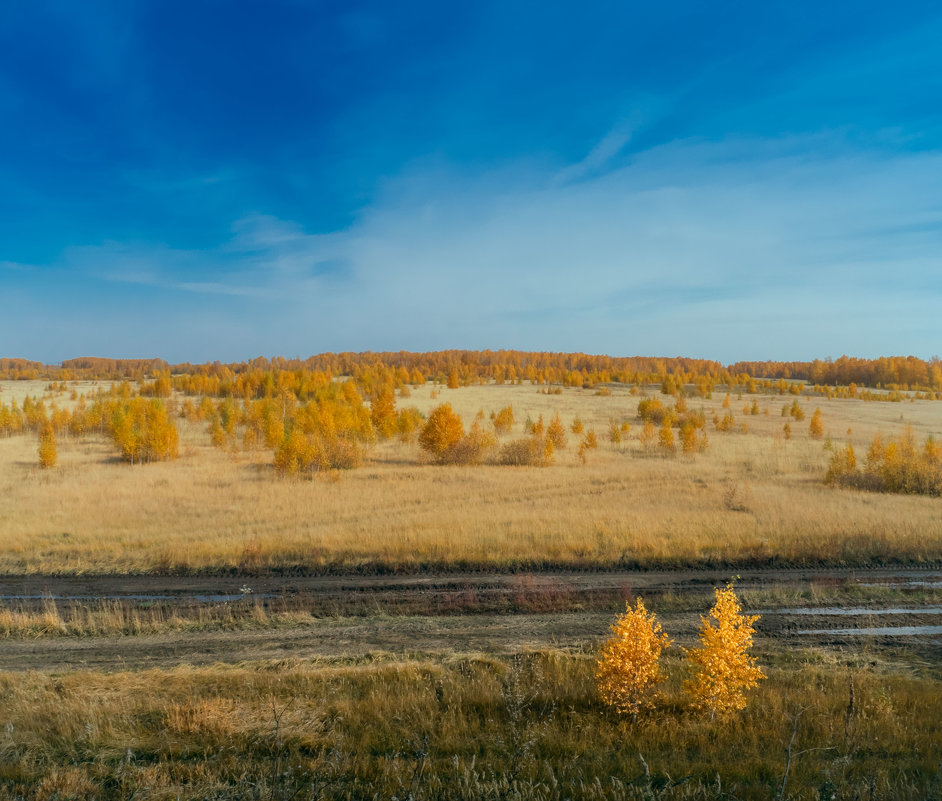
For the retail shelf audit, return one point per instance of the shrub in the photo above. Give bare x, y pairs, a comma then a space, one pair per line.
556, 433
472, 448
726, 423
648, 435
527, 452
896, 465
665, 438
650, 409
442, 431
504, 420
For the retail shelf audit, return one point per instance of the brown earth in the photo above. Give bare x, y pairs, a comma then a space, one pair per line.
449, 619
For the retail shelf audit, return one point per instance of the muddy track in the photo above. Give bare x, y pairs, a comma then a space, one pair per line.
411, 637
209, 587
429, 633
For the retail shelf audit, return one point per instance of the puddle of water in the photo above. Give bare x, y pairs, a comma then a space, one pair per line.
855, 611
936, 583
885, 631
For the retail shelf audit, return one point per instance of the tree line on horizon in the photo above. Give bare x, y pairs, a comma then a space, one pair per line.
505, 366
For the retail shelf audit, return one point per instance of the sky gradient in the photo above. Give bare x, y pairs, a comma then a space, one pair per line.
209, 180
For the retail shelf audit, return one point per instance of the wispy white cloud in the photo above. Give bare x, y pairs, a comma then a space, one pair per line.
737, 249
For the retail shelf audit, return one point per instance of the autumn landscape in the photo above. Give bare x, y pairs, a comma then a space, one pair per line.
492, 401
380, 574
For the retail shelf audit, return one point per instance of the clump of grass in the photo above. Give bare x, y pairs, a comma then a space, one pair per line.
109, 618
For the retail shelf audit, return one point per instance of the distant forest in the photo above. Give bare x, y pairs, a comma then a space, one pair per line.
571, 369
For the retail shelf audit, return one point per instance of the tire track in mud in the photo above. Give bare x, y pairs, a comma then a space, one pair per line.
357, 637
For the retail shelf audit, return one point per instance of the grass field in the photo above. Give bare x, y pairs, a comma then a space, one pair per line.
479, 685
468, 726
753, 497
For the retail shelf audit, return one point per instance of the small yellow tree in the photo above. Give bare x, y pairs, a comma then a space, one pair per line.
648, 436
383, 413
816, 427
688, 438
665, 437
556, 433
628, 672
504, 420
724, 668
442, 431
48, 453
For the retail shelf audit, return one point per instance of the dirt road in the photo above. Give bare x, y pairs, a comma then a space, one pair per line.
429, 634
188, 587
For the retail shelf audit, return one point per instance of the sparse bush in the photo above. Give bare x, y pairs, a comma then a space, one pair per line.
504, 421
726, 423
665, 438
893, 466
648, 436
530, 451
472, 448
556, 433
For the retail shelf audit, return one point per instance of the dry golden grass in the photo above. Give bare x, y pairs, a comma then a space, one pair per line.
751, 497
460, 727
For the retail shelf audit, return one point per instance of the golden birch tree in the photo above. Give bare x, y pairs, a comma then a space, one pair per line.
48, 453
724, 668
442, 431
628, 672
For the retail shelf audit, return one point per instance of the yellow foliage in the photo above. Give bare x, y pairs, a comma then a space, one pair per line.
504, 420
143, 430
724, 668
665, 438
48, 454
614, 432
442, 431
725, 423
897, 465
648, 435
383, 413
688, 438
407, 423
472, 448
556, 433
816, 427
843, 465
628, 672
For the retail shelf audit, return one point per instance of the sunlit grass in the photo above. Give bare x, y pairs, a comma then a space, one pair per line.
364, 729
215, 510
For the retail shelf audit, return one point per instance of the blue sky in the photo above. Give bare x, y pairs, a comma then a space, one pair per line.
219, 180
